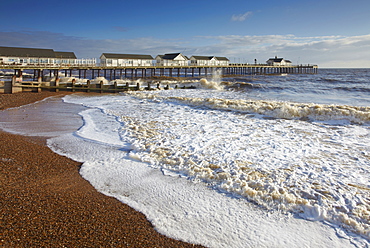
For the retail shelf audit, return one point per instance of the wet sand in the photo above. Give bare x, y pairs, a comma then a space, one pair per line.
46, 203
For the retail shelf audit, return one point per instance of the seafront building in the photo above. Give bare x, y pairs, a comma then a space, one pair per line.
48, 57
40, 56
26, 56
125, 60
278, 62
209, 61
172, 59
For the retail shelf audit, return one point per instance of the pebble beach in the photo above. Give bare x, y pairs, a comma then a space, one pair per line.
46, 203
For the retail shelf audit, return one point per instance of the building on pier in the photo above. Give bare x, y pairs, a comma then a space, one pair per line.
278, 62
22, 56
172, 59
39, 56
209, 61
125, 60
65, 58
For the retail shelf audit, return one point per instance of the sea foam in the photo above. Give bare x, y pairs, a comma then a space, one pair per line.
317, 170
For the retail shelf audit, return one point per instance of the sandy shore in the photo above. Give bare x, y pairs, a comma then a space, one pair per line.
45, 203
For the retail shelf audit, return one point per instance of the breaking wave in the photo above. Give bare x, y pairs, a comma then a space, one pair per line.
278, 109
210, 84
278, 164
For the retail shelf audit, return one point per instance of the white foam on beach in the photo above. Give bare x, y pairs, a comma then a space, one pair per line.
312, 170
223, 178
190, 211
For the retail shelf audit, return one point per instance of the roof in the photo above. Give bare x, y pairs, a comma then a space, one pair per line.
65, 55
276, 59
172, 56
34, 52
203, 57
126, 56
26, 52
209, 58
222, 58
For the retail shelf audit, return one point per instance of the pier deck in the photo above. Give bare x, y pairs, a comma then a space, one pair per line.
39, 72
150, 71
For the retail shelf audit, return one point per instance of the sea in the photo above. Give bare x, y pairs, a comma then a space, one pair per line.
239, 161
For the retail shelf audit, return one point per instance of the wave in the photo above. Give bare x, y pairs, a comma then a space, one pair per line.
353, 89
347, 81
233, 154
331, 80
211, 84
277, 109
246, 85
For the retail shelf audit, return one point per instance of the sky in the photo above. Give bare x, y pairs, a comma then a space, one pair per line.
329, 33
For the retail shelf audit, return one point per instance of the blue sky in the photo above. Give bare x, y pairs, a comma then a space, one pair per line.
330, 33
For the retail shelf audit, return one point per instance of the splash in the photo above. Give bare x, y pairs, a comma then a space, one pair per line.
214, 82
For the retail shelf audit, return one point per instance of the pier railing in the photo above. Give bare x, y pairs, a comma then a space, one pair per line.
100, 67
117, 72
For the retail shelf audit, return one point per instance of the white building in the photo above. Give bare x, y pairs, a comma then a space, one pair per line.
172, 59
34, 56
278, 62
65, 58
86, 62
208, 61
114, 59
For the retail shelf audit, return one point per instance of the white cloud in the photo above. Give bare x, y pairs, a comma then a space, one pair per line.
326, 51
241, 17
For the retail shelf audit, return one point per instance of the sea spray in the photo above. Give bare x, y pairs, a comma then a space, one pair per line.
214, 82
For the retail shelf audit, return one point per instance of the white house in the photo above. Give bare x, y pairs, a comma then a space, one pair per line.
223, 60
66, 58
114, 59
172, 59
34, 56
208, 61
278, 62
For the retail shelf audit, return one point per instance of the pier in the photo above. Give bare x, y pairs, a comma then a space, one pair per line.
37, 81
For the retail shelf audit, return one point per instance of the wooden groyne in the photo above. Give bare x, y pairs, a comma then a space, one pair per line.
14, 86
9, 87
39, 74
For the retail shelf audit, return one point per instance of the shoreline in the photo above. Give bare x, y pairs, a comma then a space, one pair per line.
45, 201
